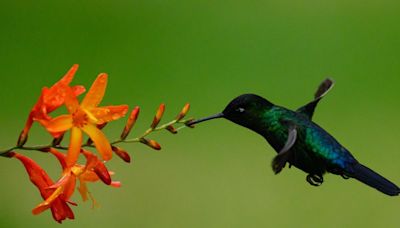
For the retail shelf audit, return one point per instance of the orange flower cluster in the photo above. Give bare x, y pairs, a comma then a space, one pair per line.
84, 117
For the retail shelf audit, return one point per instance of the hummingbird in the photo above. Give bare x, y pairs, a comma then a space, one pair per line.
299, 141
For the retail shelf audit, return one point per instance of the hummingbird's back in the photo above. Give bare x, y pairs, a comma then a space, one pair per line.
315, 150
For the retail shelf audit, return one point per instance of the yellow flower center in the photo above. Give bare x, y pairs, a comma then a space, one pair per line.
77, 170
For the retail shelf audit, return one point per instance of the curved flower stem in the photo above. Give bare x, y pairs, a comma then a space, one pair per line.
45, 147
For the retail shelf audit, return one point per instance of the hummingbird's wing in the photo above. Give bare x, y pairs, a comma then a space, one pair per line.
323, 89
284, 154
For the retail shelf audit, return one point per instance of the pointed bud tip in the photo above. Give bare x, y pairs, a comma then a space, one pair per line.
103, 174
22, 139
183, 112
57, 141
122, 154
151, 143
155, 145
158, 116
130, 123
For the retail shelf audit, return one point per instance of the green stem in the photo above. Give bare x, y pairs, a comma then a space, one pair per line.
41, 148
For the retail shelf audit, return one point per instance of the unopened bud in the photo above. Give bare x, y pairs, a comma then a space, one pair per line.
151, 143
131, 121
183, 112
158, 116
102, 172
172, 129
57, 141
23, 137
188, 123
122, 154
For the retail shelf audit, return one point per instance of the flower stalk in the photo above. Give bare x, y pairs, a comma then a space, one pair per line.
85, 117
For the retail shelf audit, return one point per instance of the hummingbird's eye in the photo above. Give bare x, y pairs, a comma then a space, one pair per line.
240, 110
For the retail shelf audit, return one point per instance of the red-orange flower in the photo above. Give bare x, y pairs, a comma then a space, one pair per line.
92, 171
85, 117
59, 207
49, 100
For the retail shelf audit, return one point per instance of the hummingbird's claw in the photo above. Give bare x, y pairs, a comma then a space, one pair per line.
315, 180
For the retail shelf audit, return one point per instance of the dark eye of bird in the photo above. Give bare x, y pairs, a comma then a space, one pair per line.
240, 110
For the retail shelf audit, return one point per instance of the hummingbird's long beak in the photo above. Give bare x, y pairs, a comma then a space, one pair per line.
216, 116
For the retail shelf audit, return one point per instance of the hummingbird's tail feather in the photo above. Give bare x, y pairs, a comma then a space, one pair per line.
373, 179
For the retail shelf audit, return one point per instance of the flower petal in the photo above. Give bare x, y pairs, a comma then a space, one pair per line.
36, 174
109, 113
58, 124
78, 90
61, 211
47, 203
74, 146
54, 96
60, 157
96, 92
83, 190
101, 142
62, 181
68, 76
89, 176
91, 159
69, 188
116, 184
71, 102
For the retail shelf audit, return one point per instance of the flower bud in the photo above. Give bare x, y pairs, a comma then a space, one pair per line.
188, 123
57, 141
101, 171
131, 121
151, 143
122, 154
171, 129
23, 137
157, 117
183, 112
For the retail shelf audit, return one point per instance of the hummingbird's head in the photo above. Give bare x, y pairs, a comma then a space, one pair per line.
243, 110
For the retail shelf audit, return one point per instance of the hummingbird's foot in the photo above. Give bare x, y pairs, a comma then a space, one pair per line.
314, 179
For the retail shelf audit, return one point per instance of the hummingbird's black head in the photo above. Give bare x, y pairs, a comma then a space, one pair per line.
243, 110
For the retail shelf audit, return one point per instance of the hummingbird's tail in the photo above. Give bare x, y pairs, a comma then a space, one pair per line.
373, 179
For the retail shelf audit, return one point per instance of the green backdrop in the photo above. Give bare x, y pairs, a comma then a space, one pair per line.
206, 53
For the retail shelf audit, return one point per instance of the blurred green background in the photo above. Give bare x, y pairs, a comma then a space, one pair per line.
206, 53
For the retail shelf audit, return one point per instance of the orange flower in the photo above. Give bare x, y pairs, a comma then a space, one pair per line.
59, 207
94, 170
85, 117
49, 100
